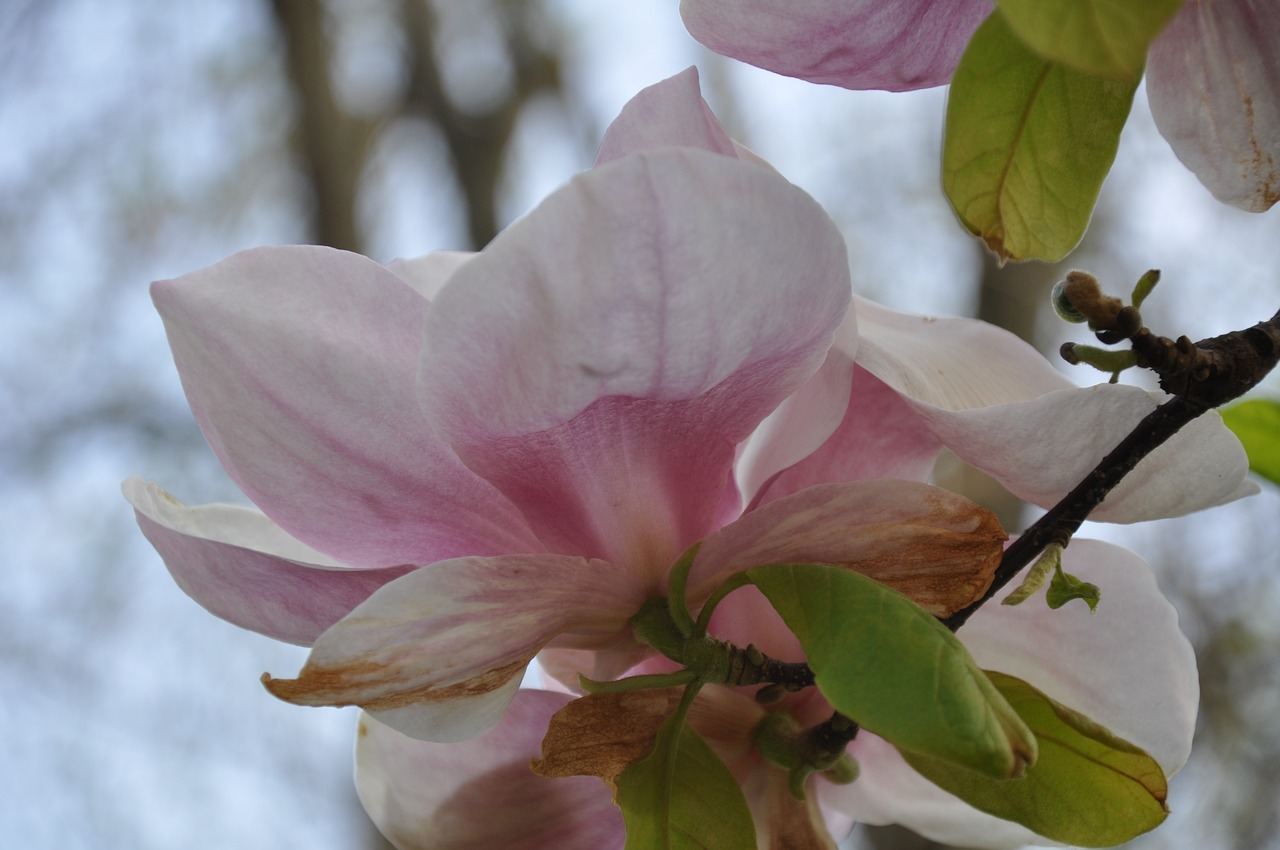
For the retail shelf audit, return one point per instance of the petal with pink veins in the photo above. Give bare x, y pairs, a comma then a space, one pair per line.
1128, 667
244, 568
671, 113
995, 402
1213, 79
602, 358
300, 365
481, 794
858, 44
462, 629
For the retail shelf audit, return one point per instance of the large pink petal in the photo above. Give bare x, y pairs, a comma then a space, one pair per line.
481, 794
244, 568
462, 629
1000, 406
858, 44
669, 113
1213, 79
938, 548
601, 359
300, 366
1127, 667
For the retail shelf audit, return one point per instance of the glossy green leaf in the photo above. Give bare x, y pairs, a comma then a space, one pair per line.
682, 797
1257, 424
1028, 143
1105, 37
885, 662
1089, 788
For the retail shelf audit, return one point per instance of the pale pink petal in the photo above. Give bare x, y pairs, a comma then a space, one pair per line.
429, 273
881, 436
247, 570
464, 628
936, 547
888, 791
482, 794
601, 359
300, 365
949, 363
1213, 79
857, 44
1043, 448
1127, 667
995, 402
669, 113
798, 426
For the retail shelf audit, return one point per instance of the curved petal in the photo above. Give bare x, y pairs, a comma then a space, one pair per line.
934, 546
669, 113
601, 359
300, 365
429, 273
857, 44
1128, 667
244, 568
1213, 79
949, 363
881, 436
888, 791
995, 402
796, 428
464, 628
1041, 449
481, 794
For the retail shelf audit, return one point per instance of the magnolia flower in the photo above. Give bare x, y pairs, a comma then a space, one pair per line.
465, 460
1213, 75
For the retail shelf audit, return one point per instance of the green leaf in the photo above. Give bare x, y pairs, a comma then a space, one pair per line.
886, 663
682, 797
1089, 788
1257, 424
1066, 587
1105, 37
1028, 143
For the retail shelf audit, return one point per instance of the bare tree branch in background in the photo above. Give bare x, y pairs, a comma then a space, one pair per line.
335, 146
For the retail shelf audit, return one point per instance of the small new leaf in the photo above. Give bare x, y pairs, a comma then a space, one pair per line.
682, 797
1089, 788
891, 667
1049, 560
1066, 587
1027, 145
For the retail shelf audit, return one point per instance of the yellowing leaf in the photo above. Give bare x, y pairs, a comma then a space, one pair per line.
1089, 788
1106, 37
883, 661
1028, 143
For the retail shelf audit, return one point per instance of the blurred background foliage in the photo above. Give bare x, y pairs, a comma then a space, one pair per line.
142, 140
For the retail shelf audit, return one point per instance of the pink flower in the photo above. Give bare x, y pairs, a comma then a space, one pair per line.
1213, 75
463, 461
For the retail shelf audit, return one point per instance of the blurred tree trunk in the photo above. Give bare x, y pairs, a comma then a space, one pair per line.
334, 147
